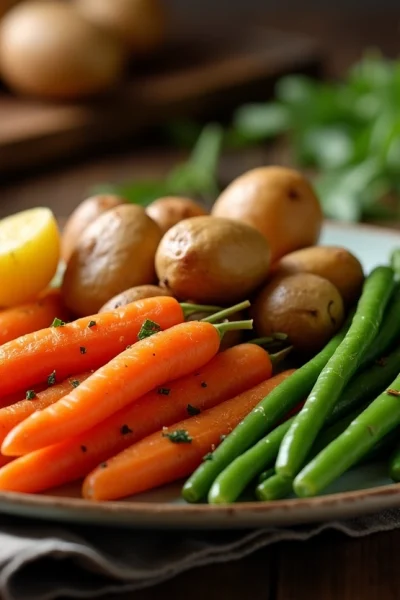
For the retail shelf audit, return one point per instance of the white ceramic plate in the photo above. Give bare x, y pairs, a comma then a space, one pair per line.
360, 491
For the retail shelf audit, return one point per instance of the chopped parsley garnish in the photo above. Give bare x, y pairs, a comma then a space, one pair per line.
179, 436
91, 323
51, 378
148, 328
30, 395
163, 391
125, 430
58, 323
75, 383
222, 437
103, 465
208, 456
192, 410
82, 350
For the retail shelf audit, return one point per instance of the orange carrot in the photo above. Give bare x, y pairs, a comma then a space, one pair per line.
15, 412
162, 357
228, 373
160, 459
84, 344
32, 316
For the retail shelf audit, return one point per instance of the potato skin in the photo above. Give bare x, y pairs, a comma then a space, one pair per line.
114, 253
168, 211
132, 295
308, 308
211, 260
336, 264
84, 214
277, 201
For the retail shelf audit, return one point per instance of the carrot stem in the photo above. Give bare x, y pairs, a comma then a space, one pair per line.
264, 341
227, 312
233, 326
190, 309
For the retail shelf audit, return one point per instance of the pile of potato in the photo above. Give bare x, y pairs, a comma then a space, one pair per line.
258, 243
68, 49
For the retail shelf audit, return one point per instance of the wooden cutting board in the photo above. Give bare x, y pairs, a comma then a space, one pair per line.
195, 76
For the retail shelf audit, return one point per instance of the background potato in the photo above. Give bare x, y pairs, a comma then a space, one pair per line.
135, 293
211, 260
82, 216
141, 24
114, 253
338, 265
48, 49
168, 211
308, 308
277, 201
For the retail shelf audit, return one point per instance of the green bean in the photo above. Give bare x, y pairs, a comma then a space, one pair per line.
376, 421
260, 420
394, 463
231, 482
366, 385
278, 486
338, 371
274, 488
266, 475
388, 333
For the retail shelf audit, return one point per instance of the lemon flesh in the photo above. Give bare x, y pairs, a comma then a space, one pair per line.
29, 254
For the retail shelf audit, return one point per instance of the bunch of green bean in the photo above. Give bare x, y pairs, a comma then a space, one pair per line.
352, 412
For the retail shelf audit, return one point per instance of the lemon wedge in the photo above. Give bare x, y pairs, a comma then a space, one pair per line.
29, 254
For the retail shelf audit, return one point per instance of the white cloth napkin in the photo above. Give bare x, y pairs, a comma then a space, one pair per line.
40, 561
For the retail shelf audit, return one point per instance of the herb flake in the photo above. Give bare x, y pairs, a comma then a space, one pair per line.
208, 456
82, 350
192, 410
125, 430
30, 395
91, 323
75, 383
57, 323
179, 436
163, 391
148, 328
51, 380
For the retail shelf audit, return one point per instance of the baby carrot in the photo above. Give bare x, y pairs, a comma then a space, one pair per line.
57, 352
151, 362
32, 316
166, 456
229, 373
15, 413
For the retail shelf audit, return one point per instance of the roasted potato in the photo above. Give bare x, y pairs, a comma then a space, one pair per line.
211, 260
308, 308
168, 211
114, 253
84, 214
336, 264
277, 201
132, 294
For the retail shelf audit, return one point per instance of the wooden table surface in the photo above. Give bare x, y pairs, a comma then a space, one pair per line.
330, 566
